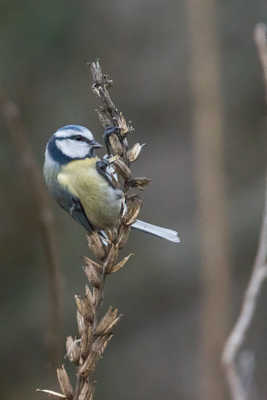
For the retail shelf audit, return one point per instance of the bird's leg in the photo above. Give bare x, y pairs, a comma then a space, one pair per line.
102, 165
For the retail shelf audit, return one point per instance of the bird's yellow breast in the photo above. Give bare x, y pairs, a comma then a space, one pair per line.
101, 202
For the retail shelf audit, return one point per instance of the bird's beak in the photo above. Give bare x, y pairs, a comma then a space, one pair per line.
95, 144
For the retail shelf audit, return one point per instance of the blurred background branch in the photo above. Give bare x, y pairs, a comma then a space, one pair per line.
34, 181
232, 348
212, 207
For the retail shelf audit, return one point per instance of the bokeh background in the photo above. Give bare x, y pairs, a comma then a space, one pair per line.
146, 46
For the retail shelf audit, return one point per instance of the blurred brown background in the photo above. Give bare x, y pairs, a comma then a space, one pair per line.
146, 48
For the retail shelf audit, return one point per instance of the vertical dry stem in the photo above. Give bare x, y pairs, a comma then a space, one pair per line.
259, 272
93, 333
17, 132
210, 180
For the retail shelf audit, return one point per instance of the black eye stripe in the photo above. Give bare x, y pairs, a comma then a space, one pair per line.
79, 138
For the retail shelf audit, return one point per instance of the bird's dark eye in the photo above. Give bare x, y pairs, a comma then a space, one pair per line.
79, 138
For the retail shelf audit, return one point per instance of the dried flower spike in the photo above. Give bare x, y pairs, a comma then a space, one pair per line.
94, 333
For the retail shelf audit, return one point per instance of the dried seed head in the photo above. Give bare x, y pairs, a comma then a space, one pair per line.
84, 343
80, 323
89, 295
64, 382
110, 319
86, 392
122, 124
96, 71
103, 118
133, 209
112, 234
93, 272
100, 344
73, 349
122, 169
105, 343
134, 152
89, 364
85, 308
124, 232
115, 144
139, 183
96, 245
98, 296
111, 258
121, 264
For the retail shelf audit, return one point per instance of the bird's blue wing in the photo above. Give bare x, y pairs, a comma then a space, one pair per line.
73, 206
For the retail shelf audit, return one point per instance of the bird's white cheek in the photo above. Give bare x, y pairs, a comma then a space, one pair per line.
72, 148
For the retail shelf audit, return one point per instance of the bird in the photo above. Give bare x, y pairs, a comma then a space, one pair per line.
82, 184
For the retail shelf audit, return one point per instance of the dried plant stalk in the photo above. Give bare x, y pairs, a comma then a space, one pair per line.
94, 334
19, 137
238, 387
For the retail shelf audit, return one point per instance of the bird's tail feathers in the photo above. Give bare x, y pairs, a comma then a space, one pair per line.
155, 230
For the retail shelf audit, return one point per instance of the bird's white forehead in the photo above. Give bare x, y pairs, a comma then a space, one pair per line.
71, 130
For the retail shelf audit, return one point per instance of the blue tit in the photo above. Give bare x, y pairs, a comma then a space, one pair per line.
77, 180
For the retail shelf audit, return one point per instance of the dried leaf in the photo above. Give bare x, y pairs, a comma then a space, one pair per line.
51, 393
110, 319
111, 258
139, 182
122, 169
73, 349
121, 264
64, 382
93, 272
134, 152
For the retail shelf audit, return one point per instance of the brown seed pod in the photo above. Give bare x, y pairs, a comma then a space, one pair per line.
64, 382
73, 349
93, 271
122, 169
111, 258
133, 210
96, 245
121, 264
139, 183
134, 152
